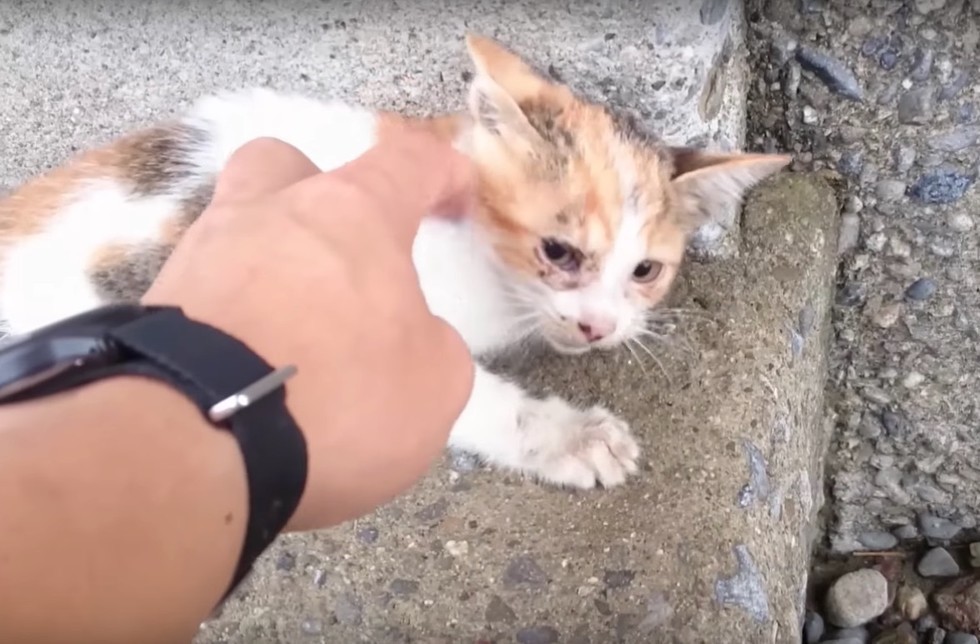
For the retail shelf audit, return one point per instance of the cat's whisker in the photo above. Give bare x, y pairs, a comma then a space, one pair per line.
629, 346
671, 340
655, 359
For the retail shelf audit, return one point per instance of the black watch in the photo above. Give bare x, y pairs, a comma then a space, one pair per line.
234, 388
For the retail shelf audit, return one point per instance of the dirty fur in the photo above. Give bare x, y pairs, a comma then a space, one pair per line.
580, 227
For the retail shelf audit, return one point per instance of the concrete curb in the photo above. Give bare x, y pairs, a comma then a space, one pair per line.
82, 72
709, 544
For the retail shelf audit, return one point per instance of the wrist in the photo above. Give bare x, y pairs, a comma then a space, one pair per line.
148, 491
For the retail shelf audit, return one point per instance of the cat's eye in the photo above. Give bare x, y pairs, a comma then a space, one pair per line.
647, 270
560, 254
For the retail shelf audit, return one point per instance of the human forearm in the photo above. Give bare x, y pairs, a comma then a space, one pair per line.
123, 508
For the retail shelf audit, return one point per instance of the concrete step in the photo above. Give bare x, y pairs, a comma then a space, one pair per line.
711, 542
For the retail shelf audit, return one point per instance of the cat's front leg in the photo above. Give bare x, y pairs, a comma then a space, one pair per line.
549, 439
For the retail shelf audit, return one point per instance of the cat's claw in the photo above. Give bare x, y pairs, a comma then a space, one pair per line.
578, 448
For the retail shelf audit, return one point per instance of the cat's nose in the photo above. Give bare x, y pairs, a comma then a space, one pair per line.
595, 330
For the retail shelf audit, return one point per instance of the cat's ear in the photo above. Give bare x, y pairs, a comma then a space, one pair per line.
502, 82
708, 183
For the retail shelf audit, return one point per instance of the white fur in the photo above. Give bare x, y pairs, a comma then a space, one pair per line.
43, 279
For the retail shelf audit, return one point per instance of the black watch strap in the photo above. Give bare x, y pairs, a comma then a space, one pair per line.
225, 380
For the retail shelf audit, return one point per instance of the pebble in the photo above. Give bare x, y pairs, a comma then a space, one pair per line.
937, 636
956, 140
915, 107
961, 222
618, 578
856, 598
890, 190
902, 634
524, 570
834, 73
961, 638
938, 563
906, 532
851, 163
537, 635
928, 6
975, 554
911, 602
941, 186
921, 289
878, 540
856, 634
888, 315
904, 158
921, 64
935, 527
498, 611
810, 116
813, 627
958, 605
457, 548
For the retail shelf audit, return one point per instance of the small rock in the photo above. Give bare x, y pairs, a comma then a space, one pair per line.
912, 380
813, 627
857, 598
537, 635
856, 634
618, 578
834, 73
367, 534
935, 527
878, 540
457, 548
954, 87
894, 423
915, 107
975, 554
961, 638
524, 570
958, 605
848, 233
810, 116
938, 563
937, 636
903, 634
906, 532
498, 611
890, 190
921, 64
911, 602
904, 158
403, 587
433, 512
285, 561
928, 6
941, 186
851, 163
955, 140
888, 315
921, 289
961, 222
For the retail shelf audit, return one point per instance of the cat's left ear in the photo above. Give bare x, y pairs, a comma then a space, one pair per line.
502, 82
708, 183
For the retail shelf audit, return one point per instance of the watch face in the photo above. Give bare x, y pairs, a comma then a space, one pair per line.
42, 356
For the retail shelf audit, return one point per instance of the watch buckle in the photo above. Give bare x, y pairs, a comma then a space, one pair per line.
228, 407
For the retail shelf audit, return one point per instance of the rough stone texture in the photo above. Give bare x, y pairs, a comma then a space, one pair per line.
711, 541
75, 73
904, 366
674, 556
857, 598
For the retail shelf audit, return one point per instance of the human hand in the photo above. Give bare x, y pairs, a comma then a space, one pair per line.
314, 269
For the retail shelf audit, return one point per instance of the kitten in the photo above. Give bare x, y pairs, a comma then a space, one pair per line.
581, 224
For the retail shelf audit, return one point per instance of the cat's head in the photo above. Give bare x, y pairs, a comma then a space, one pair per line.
589, 216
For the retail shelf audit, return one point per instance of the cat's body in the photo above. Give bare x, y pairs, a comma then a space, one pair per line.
580, 227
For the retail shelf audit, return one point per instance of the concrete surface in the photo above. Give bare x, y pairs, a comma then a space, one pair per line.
905, 465
710, 543
76, 72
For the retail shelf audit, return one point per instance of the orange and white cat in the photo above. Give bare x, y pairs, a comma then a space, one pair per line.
580, 227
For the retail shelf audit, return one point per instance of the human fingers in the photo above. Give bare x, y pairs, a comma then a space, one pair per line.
260, 167
409, 176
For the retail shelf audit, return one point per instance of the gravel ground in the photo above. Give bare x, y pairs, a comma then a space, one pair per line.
885, 92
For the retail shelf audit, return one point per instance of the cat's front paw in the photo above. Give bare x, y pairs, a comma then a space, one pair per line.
576, 447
